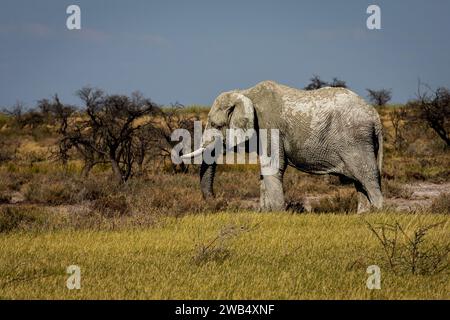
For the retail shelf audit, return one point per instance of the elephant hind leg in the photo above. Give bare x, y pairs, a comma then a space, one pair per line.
365, 173
368, 196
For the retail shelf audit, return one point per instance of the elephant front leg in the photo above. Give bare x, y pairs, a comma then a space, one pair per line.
272, 171
272, 195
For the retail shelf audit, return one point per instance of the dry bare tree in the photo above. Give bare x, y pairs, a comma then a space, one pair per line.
22, 118
337, 83
433, 107
316, 83
123, 131
57, 113
397, 117
379, 97
172, 118
106, 130
113, 122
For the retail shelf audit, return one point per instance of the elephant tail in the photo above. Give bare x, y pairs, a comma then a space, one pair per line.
379, 143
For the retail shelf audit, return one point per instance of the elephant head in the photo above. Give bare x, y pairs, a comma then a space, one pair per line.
230, 110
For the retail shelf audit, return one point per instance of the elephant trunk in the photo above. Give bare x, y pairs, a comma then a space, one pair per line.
207, 170
207, 173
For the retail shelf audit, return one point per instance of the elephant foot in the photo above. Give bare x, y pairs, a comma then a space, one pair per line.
363, 203
272, 195
370, 199
271, 206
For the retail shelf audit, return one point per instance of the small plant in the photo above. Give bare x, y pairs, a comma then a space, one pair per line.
12, 219
52, 190
8, 150
411, 252
340, 202
18, 273
441, 204
4, 197
295, 206
393, 189
218, 248
112, 206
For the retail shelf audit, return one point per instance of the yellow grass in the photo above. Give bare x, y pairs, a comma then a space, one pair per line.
258, 256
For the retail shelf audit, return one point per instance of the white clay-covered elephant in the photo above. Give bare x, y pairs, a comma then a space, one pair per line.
324, 131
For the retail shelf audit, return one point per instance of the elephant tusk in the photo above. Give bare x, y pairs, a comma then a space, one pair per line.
193, 154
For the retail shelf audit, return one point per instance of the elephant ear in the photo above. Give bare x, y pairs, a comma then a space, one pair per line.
242, 117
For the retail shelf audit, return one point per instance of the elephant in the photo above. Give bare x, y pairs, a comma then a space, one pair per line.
324, 131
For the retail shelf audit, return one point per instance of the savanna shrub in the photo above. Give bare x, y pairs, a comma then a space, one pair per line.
12, 218
112, 206
340, 202
441, 204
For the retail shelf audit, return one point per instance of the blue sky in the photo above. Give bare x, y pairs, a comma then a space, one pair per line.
190, 51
